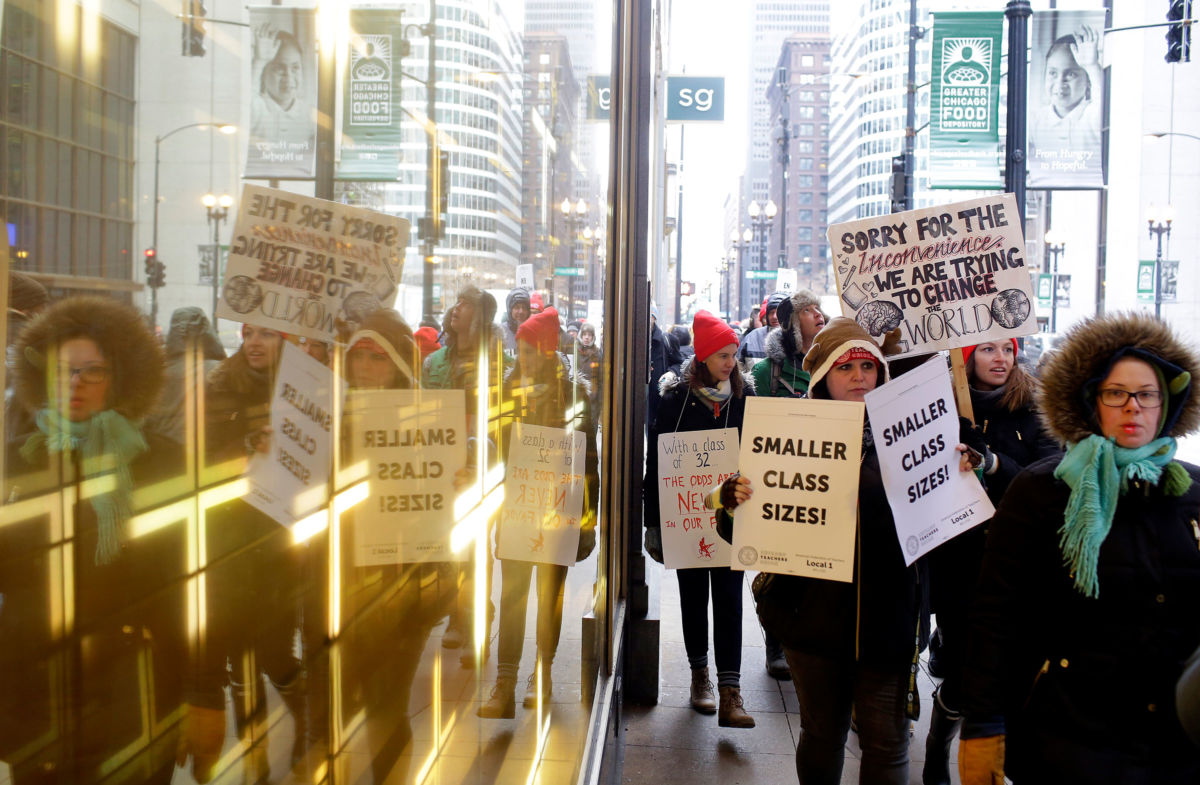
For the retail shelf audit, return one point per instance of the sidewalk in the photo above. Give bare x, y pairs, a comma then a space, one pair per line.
671, 743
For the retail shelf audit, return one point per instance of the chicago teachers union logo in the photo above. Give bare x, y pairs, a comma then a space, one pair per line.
912, 545
966, 80
748, 556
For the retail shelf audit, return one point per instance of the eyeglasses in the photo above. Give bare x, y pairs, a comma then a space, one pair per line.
89, 374
1147, 399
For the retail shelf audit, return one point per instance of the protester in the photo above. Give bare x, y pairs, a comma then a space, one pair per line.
853, 644
542, 394
87, 369
753, 346
382, 353
190, 340
1086, 607
470, 339
516, 311
683, 339
591, 363
781, 374
427, 341
1009, 435
709, 392
664, 357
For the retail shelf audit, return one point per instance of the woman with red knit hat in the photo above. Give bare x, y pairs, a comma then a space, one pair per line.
542, 392
1010, 437
709, 392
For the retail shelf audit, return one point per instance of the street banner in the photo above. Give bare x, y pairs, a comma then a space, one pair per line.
915, 426
291, 479
543, 495
964, 126
1066, 100
1145, 281
692, 99
947, 276
802, 458
413, 442
300, 265
283, 105
371, 134
599, 98
690, 464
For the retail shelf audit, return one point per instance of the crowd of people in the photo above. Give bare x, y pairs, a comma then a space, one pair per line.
1064, 625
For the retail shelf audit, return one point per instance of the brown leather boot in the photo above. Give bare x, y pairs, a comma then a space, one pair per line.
732, 714
502, 705
703, 699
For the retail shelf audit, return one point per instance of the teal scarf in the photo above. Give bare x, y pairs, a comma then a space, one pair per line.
107, 443
1098, 471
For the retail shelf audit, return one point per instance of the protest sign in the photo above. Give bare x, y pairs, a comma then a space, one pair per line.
915, 425
290, 480
947, 276
413, 441
690, 463
801, 518
299, 264
543, 495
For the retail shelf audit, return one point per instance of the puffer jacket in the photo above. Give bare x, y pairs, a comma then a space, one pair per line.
792, 379
1084, 687
683, 410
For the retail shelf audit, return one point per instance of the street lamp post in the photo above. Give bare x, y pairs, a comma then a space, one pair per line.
1159, 220
218, 211
573, 215
760, 221
224, 128
1056, 244
741, 247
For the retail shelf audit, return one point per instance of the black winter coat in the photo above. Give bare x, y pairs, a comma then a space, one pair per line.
692, 413
874, 619
1087, 684
664, 356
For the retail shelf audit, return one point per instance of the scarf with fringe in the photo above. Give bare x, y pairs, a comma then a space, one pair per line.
107, 443
1097, 472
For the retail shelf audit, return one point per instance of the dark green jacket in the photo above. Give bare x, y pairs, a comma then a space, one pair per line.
789, 371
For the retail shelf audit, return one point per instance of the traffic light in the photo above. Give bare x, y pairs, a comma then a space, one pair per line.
151, 260
899, 185
160, 275
443, 182
193, 28
1179, 35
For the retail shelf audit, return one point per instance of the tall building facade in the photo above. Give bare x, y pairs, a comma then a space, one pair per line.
869, 87
799, 172
771, 22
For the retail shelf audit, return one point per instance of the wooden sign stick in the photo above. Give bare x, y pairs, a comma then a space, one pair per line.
962, 388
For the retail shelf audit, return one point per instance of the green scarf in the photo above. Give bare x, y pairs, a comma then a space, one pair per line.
1098, 471
107, 443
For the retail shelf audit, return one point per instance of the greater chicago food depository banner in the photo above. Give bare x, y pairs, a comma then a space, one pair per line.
370, 148
964, 129
1066, 100
283, 106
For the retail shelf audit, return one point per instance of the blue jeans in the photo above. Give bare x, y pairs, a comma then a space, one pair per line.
827, 689
727, 619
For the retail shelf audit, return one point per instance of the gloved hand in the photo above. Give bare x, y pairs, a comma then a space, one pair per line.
981, 761
202, 735
653, 543
972, 436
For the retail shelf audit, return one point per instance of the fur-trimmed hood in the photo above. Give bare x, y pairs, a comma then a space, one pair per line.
1068, 379
671, 381
122, 334
775, 349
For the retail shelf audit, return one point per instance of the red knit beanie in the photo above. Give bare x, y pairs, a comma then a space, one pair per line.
427, 340
541, 330
969, 350
710, 335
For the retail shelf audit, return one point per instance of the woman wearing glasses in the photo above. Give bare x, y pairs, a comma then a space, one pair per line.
1086, 608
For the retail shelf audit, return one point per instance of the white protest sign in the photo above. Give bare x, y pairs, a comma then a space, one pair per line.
299, 264
947, 276
525, 276
802, 459
414, 441
290, 480
543, 495
786, 280
690, 463
915, 425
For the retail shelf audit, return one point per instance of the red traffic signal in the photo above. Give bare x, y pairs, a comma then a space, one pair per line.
150, 253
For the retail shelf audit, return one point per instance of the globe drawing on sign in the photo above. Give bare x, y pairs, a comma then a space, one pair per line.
1011, 308
359, 305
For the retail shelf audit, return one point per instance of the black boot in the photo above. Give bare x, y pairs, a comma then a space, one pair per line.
943, 725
